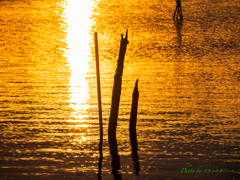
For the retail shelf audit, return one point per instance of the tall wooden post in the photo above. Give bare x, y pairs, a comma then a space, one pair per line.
99, 103
117, 89
114, 109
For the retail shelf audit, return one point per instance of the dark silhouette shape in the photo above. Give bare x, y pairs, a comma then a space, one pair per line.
115, 159
178, 11
99, 105
115, 107
132, 128
117, 89
134, 146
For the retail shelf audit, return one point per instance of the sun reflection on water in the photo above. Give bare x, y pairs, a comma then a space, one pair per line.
76, 16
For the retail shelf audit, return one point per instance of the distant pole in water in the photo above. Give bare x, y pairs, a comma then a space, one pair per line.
99, 102
178, 10
117, 90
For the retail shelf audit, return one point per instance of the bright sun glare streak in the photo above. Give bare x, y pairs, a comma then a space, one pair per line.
78, 37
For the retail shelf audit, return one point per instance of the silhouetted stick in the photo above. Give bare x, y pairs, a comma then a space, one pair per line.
117, 90
132, 127
175, 12
178, 10
180, 7
179, 13
114, 109
133, 117
99, 104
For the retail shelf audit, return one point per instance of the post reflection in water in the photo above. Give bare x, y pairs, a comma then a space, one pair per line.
100, 163
115, 159
134, 146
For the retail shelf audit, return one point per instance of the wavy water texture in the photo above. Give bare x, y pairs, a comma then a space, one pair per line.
188, 81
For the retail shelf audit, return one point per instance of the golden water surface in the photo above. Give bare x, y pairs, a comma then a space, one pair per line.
188, 111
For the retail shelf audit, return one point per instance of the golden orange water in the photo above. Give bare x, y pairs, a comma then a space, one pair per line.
188, 75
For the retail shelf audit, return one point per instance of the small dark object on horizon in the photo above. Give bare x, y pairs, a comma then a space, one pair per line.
178, 10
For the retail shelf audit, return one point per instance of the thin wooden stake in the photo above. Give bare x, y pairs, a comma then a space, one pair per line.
133, 117
117, 90
99, 103
178, 10
132, 127
116, 93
